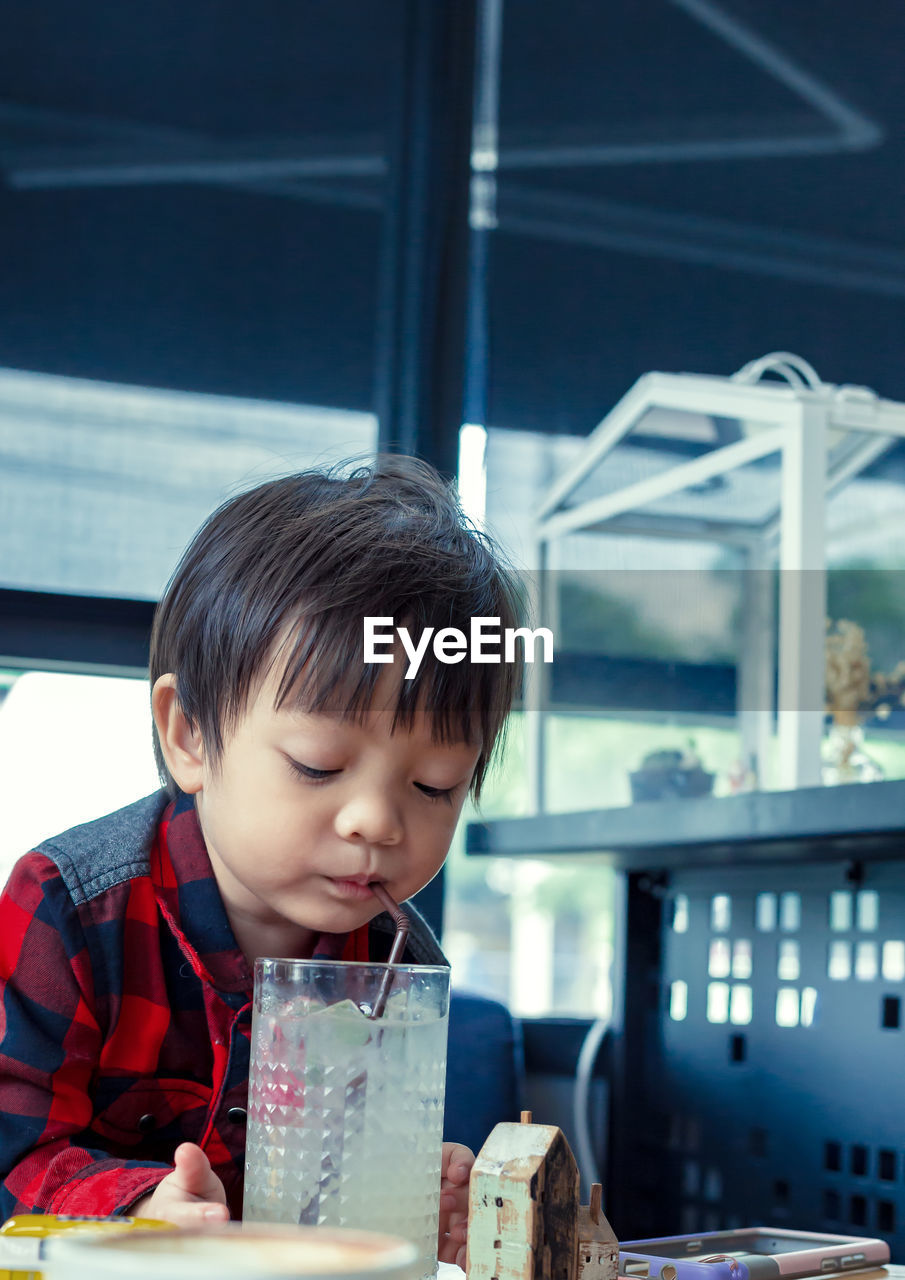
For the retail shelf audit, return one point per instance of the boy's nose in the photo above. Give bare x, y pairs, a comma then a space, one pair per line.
372, 818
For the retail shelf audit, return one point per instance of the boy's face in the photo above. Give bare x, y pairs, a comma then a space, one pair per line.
304, 810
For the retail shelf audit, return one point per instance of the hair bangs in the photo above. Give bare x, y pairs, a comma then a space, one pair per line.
324, 672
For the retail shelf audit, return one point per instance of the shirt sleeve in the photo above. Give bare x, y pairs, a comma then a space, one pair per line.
50, 1043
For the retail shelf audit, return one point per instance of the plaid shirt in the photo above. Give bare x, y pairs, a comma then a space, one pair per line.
125, 1013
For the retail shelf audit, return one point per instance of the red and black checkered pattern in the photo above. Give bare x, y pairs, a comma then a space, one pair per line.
125, 1012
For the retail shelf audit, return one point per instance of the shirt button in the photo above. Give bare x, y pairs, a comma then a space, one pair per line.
147, 1124
237, 1115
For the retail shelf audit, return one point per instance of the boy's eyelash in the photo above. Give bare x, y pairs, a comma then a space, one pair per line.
320, 775
313, 775
435, 793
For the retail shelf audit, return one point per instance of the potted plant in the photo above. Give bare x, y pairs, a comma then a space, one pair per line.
670, 774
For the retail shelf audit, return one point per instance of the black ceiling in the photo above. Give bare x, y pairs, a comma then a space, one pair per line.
192, 194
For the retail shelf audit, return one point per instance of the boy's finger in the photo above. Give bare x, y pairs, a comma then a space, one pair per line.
452, 1250
192, 1169
456, 1155
457, 1161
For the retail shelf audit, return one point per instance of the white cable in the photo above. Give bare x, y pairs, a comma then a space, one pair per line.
581, 1097
793, 368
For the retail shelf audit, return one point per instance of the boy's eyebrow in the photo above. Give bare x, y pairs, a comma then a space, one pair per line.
307, 722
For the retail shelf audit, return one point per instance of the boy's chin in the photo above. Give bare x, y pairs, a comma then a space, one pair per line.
340, 916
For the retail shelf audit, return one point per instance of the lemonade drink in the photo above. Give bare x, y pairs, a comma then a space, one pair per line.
345, 1112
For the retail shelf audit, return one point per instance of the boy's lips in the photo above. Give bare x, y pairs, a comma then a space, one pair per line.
356, 887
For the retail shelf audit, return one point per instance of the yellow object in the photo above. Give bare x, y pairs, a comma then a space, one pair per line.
21, 1238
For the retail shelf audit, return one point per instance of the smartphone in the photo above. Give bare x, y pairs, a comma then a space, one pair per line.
751, 1253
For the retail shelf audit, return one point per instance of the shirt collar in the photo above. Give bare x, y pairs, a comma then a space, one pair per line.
189, 898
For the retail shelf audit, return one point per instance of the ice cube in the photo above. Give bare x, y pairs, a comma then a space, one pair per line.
349, 1026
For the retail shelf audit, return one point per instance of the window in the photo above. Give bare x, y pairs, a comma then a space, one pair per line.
103, 486
72, 748
535, 934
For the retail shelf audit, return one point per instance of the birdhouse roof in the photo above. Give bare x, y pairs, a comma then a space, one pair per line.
599, 1231
519, 1148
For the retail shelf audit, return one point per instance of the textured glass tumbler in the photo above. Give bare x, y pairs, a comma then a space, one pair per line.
345, 1112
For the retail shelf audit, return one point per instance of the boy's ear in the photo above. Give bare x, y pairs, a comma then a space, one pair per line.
181, 745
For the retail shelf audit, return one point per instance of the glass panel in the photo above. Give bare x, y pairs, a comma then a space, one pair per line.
600, 238
600, 755
103, 486
536, 935
664, 439
628, 647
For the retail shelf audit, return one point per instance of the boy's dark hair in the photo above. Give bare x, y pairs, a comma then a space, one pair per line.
288, 571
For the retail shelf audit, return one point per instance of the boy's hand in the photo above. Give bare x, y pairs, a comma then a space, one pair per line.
191, 1196
455, 1168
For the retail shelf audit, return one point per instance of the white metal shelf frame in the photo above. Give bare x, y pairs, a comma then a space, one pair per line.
822, 436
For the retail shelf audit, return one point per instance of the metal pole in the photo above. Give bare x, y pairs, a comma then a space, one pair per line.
420, 343
482, 215
802, 599
424, 272
756, 667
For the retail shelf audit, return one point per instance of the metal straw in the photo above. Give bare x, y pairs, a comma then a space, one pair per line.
401, 921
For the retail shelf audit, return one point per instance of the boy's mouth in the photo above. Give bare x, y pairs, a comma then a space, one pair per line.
356, 887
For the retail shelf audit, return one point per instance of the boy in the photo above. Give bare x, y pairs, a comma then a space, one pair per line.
296, 775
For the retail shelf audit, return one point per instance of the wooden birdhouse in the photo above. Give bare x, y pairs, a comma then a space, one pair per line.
598, 1248
524, 1217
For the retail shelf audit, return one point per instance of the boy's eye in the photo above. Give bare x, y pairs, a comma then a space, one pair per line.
305, 771
435, 793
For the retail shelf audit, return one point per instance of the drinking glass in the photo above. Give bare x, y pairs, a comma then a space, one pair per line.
345, 1109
